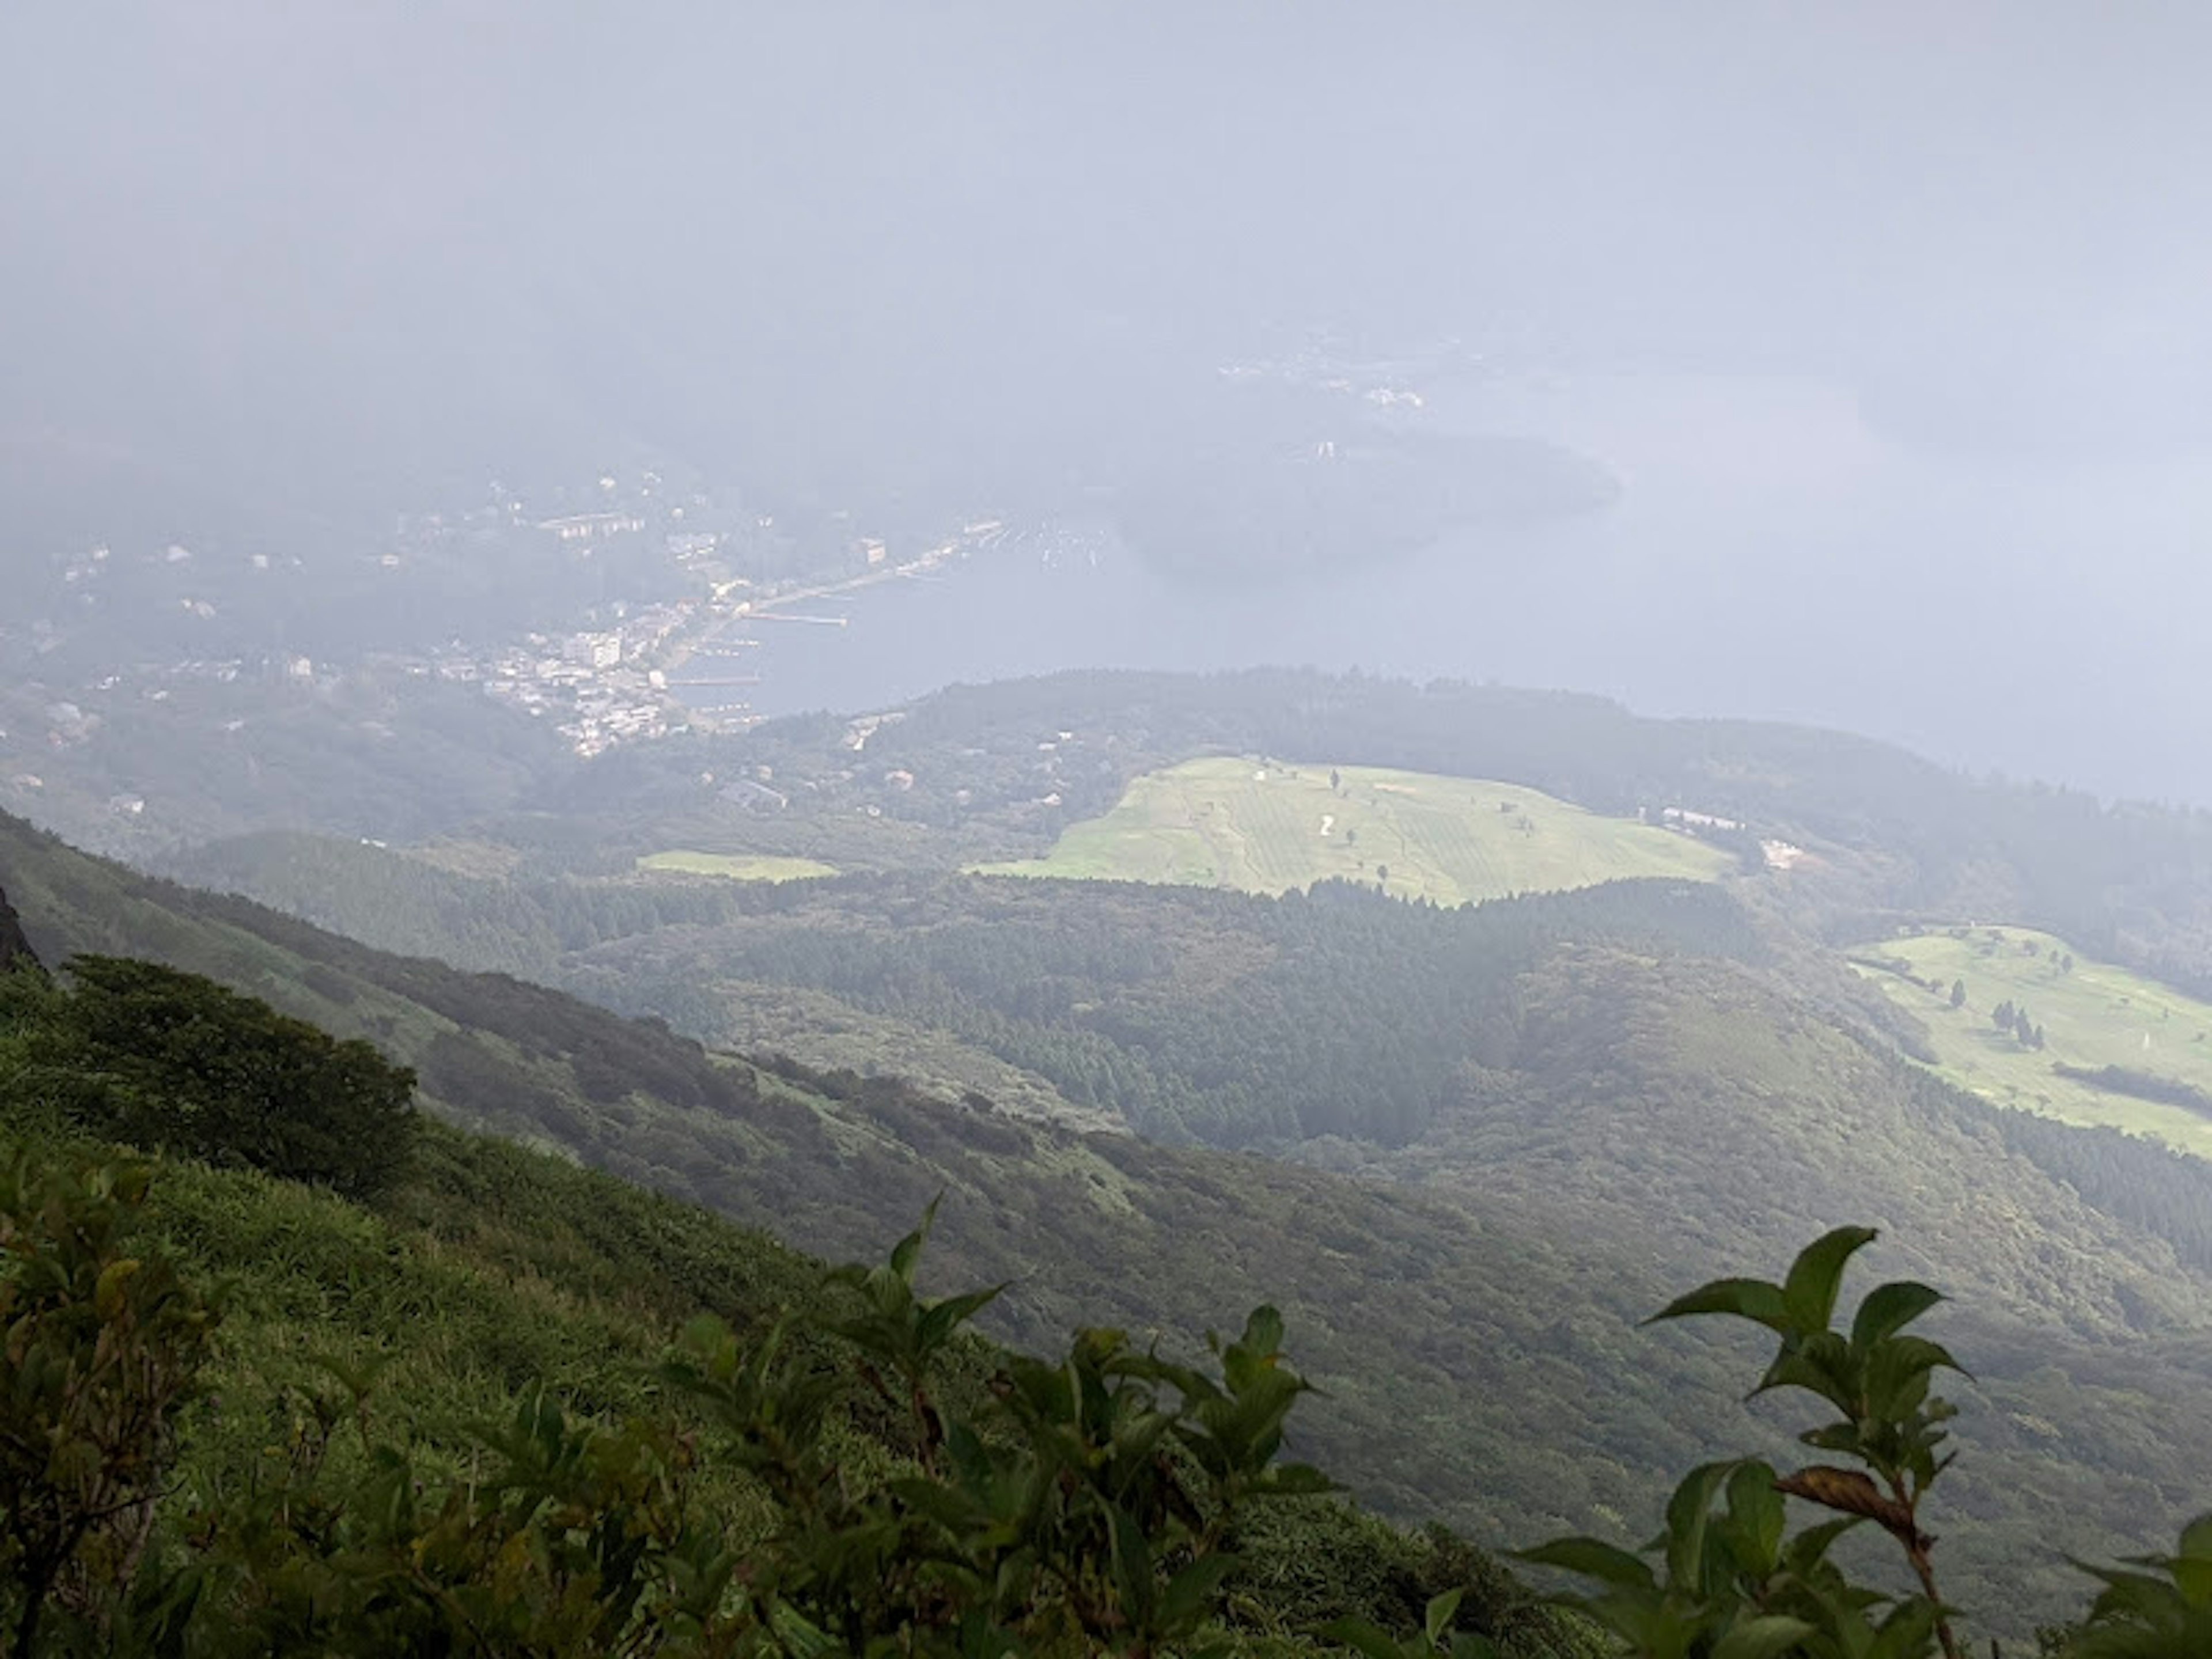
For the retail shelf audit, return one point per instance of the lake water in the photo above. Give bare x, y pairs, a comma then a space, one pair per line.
1772, 557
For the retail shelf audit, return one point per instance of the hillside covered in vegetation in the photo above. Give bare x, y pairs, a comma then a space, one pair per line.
1273, 829
493, 1403
1466, 1282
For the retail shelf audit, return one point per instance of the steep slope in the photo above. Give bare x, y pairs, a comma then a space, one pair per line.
1477, 1349
13, 947
493, 1271
1693, 1095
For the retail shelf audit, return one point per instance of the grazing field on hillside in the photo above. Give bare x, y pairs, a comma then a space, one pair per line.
2142, 1038
736, 867
1264, 828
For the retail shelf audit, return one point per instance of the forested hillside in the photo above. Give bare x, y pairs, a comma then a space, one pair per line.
977, 773
13, 947
1471, 1322
478, 1410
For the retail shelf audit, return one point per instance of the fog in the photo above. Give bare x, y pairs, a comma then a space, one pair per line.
1891, 323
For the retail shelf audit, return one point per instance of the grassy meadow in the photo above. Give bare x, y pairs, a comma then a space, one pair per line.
1266, 828
2093, 1016
735, 866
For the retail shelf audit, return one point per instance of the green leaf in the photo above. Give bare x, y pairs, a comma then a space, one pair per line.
1190, 1593
1822, 1366
1763, 1638
1361, 1638
2192, 1567
1291, 1480
1909, 1632
1746, 1298
1888, 1309
1898, 1371
2196, 1539
1133, 1565
797, 1635
942, 1318
2135, 1595
1756, 1517
1917, 1352
1835, 1437
1263, 1333
908, 1251
1688, 1512
109, 1295
1805, 1549
1439, 1614
1593, 1558
1808, 1294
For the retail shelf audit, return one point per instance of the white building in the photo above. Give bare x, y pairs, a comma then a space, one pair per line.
593, 650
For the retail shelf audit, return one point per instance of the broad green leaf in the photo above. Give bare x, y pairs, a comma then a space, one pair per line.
950, 1510
1593, 1558
1292, 1480
1808, 1294
1909, 1632
1756, 1517
1361, 1638
1133, 1565
2134, 1594
1746, 1298
1762, 1637
799, 1636
1438, 1616
1263, 1333
1898, 1372
1190, 1593
1888, 1309
2196, 1539
946, 1316
1806, 1549
908, 1251
1688, 1512
2192, 1567
1919, 1352
1822, 1366
108, 1295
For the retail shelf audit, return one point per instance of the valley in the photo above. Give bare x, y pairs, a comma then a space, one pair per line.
1466, 1130
1000, 832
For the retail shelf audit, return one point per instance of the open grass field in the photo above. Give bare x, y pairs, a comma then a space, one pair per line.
735, 866
2094, 1016
1263, 828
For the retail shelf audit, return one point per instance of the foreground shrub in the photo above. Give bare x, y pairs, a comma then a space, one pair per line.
1730, 1579
170, 1061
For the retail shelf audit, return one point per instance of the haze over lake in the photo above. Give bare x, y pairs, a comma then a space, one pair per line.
1772, 548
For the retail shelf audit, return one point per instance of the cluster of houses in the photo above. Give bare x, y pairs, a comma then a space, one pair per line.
595, 680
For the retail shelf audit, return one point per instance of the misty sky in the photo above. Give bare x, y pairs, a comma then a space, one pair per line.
360, 254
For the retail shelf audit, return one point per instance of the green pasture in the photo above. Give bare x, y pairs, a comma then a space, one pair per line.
735, 866
1267, 829
2094, 1016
